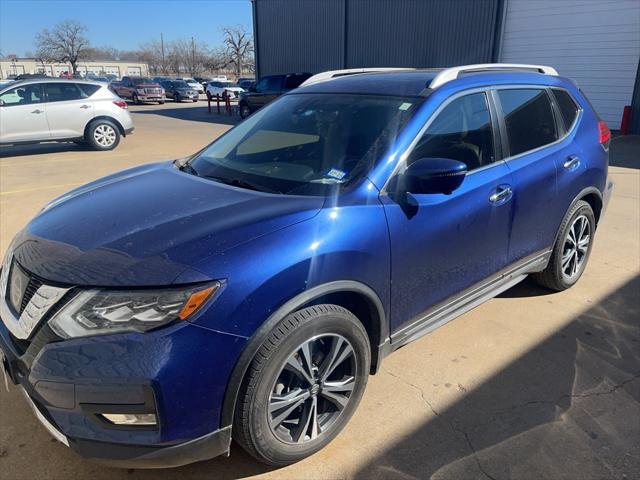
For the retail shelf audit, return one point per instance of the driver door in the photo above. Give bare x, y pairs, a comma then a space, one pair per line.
442, 245
23, 115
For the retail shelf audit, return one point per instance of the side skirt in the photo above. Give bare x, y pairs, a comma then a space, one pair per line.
468, 299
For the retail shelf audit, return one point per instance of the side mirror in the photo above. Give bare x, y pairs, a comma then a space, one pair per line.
433, 175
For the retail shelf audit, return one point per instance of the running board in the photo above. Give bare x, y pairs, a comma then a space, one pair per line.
444, 313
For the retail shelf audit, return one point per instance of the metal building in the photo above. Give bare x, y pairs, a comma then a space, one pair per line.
596, 42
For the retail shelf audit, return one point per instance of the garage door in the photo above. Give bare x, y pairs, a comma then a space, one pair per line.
112, 70
596, 43
133, 71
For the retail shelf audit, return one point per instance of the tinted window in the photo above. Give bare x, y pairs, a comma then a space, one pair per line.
87, 89
270, 84
305, 144
25, 95
567, 106
462, 131
294, 81
62, 91
529, 119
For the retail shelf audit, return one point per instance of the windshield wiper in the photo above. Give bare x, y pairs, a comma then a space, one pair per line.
237, 182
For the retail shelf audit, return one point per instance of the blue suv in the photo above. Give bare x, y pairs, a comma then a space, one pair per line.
250, 290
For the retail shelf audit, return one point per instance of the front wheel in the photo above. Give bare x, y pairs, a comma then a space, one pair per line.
103, 135
571, 250
303, 385
245, 111
135, 99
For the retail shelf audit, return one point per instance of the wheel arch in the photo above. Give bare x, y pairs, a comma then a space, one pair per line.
104, 117
593, 197
351, 295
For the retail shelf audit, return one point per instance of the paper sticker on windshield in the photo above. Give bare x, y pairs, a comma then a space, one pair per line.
335, 173
405, 106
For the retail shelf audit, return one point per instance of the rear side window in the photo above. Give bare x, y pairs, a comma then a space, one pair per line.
529, 119
61, 92
88, 89
567, 106
461, 131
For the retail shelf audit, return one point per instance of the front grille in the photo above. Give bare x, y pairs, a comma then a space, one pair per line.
151, 90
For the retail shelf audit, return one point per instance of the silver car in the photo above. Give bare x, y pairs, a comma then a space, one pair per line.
49, 110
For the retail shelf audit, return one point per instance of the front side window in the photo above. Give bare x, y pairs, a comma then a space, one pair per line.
62, 91
567, 106
528, 117
25, 95
461, 131
304, 144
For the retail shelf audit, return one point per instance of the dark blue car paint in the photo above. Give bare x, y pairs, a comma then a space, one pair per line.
155, 225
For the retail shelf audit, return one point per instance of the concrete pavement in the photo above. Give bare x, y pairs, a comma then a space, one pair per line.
530, 385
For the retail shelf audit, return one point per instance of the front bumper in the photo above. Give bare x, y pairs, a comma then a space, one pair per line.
179, 373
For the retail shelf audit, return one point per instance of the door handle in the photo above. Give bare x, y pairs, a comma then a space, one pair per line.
37, 110
85, 106
572, 162
501, 194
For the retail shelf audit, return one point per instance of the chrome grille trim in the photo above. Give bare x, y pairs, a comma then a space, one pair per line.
40, 303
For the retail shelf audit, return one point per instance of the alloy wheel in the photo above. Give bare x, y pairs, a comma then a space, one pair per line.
312, 389
576, 247
104, 135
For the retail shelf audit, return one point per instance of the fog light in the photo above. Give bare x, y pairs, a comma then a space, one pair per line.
130, 418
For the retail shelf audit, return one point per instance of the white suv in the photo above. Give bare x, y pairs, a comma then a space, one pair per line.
48, 110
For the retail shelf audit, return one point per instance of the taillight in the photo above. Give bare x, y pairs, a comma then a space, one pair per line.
120, 103
605, 133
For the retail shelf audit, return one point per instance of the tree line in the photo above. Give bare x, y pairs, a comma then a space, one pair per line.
67, 42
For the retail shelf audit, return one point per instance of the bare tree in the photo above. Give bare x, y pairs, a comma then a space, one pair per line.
65, 43
153, 54
189, 57
238, 47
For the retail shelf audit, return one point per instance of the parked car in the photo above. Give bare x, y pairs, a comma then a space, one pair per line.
179, 90
97, 78
203, 81
138, 90
268, 89
246, 84
111, 77
40, 110
247, 290
161, 79
197, 86
221, 88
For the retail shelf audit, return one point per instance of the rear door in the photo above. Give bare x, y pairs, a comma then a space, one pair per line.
532, 150
23, 115
69, 109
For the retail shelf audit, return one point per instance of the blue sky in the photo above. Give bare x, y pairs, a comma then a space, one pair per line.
112, 23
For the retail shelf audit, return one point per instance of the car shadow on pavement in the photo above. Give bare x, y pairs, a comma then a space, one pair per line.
194, 113
41, 149
568, 408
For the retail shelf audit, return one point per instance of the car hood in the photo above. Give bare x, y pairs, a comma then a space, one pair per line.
148, 226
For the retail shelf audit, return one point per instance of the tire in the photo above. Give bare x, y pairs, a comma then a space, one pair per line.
177, 99
103, 135
245, 111
269, 434
135, 99
161, 102
195, 100
568, 258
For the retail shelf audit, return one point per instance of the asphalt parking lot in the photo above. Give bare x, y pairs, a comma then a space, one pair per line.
530, 385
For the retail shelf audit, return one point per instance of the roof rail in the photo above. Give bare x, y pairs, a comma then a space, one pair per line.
450, 74
328, 75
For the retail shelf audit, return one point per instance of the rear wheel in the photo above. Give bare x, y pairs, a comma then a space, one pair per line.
303, 385
103, 135
572, 249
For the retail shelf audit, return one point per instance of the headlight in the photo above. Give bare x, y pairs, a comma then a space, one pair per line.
140, 90
94, 312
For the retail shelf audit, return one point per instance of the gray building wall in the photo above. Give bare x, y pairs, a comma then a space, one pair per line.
318, 35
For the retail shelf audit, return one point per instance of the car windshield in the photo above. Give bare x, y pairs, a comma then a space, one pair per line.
180, 84
141, 80
306, 144
189, 80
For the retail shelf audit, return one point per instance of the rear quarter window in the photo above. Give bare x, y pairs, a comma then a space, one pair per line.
88, 89
568, 107
528, 118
